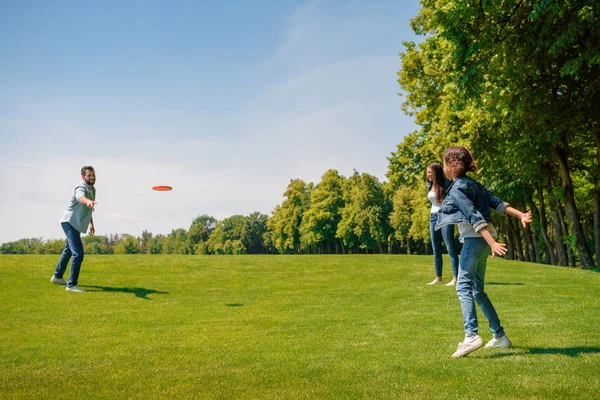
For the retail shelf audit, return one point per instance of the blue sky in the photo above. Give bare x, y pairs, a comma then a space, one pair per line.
224, 101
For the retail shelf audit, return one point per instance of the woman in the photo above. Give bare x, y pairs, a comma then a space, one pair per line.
436, 186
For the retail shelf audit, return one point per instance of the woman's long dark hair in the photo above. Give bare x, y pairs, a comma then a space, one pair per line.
440, 181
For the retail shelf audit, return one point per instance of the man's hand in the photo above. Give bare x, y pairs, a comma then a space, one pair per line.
91, 204
91, 230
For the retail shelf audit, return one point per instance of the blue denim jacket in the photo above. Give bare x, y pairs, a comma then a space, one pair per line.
468, 201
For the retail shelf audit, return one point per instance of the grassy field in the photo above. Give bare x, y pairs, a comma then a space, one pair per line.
290, 327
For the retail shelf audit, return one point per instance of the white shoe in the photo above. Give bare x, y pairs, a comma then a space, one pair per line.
436, 281
502, 342
451, 283
58, 281
75, 289
470, 344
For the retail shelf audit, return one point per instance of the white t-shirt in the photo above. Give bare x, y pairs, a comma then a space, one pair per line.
466, 231
435, 206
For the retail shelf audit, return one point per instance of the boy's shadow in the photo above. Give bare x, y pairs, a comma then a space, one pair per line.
138, 292
566, 351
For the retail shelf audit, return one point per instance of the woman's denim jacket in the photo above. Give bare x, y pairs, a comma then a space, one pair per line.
468, 201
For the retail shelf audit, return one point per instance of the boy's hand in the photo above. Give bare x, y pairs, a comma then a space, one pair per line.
526, 218
498, 249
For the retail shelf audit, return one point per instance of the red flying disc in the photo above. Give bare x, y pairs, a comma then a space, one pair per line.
162, 188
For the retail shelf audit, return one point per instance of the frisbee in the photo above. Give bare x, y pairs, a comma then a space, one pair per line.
162, 188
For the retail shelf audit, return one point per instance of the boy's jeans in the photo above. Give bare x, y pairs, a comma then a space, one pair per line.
470, 285
74, 248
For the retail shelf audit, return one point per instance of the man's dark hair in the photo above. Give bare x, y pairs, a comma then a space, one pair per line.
86, 168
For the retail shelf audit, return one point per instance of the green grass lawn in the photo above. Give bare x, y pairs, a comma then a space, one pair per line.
290, 327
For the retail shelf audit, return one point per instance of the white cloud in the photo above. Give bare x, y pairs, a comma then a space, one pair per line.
120, 217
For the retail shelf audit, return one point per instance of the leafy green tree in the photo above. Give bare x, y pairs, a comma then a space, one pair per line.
127, 245
228, 229
176, 243
284, 224
53, 246
254, 231
320, 221
12, 248
96, 245
500, 75
23, 246
364, 217
155, 244
146, 236
199, 232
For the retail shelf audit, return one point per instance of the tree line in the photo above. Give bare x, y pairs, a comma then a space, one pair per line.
515, 82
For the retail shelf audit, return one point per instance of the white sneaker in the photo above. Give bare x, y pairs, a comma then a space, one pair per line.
470, 344
451, 283
58, 281
436, 281
502, 342
75, 289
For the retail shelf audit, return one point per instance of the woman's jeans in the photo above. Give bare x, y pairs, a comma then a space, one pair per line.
470, 285
445, 233
73, 248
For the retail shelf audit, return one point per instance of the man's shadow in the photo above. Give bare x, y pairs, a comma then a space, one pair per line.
138, 292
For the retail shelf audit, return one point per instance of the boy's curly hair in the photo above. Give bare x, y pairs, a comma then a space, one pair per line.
459, 159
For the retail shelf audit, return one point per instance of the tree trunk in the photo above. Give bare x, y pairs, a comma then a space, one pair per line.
561, 249
407, 246
565, 234
528, 239
536, 233
510, 253
597, 225
585, 257
517, 239
597, 201
544, 225
536, 244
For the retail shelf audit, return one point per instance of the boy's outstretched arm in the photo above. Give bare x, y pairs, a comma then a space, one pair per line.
524, 217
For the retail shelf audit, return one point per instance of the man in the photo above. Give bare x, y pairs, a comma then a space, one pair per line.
75, 221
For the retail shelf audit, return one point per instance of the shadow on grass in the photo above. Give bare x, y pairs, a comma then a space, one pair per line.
234, 305
138, 292
566, 351
505, 283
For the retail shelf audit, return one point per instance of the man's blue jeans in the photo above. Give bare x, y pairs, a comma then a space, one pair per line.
446, 233
469, 287
73, 248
